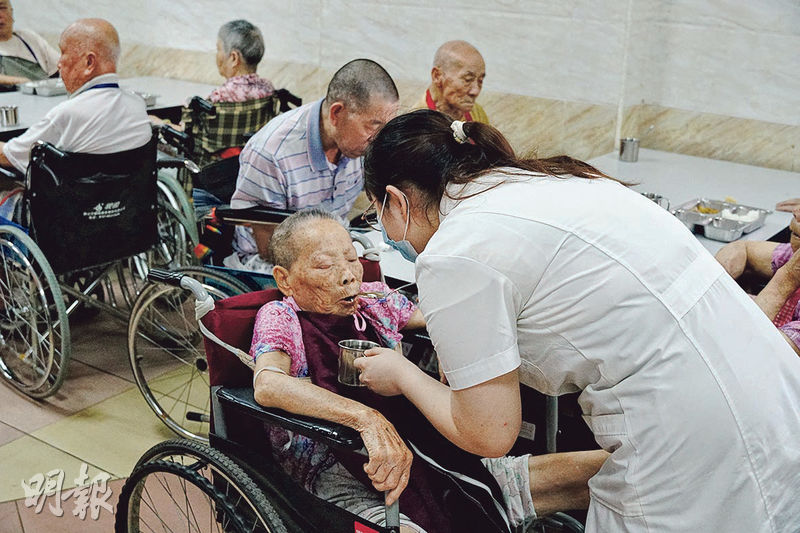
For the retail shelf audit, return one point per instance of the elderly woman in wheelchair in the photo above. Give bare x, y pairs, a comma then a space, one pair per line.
320, 276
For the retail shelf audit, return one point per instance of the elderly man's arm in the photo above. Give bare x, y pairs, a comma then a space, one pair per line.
389, 463
772, 297
5, 79
4, 162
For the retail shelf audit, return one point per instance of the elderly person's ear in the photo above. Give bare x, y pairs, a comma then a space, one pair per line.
437, 76
281, 276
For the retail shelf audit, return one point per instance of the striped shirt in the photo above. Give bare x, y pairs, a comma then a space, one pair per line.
284, 166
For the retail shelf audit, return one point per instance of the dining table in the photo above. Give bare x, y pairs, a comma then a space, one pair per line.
681, 179
170, 96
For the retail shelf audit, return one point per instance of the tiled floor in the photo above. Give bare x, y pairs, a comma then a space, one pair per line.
98, 418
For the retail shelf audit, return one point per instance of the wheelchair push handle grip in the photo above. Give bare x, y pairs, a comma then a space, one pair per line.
165, 276
200, 105
174, 137
178, 279
51, 151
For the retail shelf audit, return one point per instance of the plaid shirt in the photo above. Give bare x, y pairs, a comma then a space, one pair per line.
788, 318
228, 127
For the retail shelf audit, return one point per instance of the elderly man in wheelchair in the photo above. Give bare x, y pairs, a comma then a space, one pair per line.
294, 356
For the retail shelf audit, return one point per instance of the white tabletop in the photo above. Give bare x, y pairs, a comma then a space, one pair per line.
681, 178
171, 93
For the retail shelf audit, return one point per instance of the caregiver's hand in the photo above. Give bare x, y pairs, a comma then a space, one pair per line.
389, 465
383, 370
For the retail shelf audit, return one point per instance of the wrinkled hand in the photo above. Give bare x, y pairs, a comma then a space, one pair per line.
788, 205
382, 370
389, 465
733, 258
791, 269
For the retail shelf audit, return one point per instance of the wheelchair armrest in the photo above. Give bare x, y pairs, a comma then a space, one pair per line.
251, 214
335, 435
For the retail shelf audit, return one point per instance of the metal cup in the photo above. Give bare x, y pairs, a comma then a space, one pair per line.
629, 149
662, 201
9, 115
349, 350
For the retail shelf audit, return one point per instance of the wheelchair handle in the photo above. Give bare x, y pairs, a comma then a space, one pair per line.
200, 105
51, 150
174, 137
178, 279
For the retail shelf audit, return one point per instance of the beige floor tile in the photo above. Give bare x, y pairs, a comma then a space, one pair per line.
46, 521
113, 433
9, 518
85, 386
102, 342
24, 458
8, 433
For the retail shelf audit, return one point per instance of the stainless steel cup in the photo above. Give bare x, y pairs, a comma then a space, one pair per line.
9, 115
349, 350
629, 149
662, 201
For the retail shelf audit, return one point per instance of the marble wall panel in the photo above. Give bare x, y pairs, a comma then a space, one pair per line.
716, 136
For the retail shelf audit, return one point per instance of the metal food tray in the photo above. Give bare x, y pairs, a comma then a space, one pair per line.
714, 225
48, 87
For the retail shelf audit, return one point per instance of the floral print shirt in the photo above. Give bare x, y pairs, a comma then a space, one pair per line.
788, 318
242, 88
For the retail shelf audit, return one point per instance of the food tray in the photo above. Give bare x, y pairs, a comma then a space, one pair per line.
728, 218
149, 98
50, 87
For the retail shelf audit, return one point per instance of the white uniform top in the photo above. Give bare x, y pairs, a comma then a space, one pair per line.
43, 53
92, 120
587, 285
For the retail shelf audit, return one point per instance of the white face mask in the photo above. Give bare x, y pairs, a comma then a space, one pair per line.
403, 246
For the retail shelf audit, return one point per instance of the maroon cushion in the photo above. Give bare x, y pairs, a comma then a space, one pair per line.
233, 319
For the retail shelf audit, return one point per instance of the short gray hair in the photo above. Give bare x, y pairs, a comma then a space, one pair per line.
243, 37
282, 248
357, 82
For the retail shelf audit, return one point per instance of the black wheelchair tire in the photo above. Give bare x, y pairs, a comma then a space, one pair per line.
260, 515
131, 498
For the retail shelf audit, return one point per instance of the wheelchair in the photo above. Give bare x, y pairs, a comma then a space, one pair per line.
232, 483
116, 205
214, 134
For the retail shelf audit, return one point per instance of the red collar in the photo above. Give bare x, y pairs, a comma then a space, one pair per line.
432, 104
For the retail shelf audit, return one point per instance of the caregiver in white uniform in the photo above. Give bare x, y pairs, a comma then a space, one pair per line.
529, 274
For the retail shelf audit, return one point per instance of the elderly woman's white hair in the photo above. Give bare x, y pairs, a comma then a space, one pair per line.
244, 37
282, 247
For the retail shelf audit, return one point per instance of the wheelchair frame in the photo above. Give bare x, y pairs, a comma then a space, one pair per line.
36, 317
266, 499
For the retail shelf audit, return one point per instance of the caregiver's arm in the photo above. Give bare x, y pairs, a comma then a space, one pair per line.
389, 459
484, 419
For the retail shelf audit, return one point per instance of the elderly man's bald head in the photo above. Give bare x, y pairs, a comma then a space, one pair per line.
454, 54
89, 48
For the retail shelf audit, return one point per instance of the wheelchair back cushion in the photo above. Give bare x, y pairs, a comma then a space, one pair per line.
229, 126
91, 209
233, 319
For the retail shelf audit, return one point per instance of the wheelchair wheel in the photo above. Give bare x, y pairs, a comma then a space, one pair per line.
163, 496
175, 249
34, 331
228, 477
166, 351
